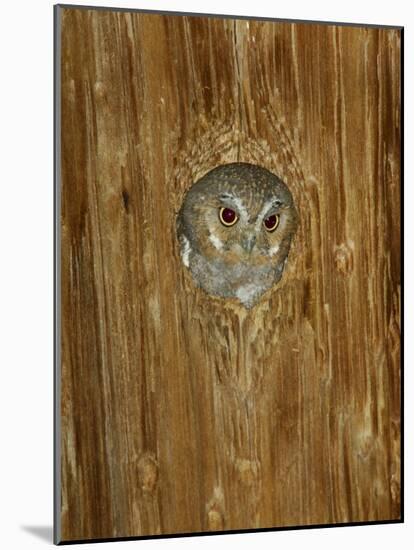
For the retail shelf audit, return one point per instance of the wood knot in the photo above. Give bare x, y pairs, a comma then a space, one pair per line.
215, 511
247, 471
147, 473
215, 520
344, 258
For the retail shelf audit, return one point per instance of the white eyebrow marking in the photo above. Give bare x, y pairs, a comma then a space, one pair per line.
273, 202
269, 204
237, 203
216, 241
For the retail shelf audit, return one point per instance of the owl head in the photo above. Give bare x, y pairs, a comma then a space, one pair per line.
235, 227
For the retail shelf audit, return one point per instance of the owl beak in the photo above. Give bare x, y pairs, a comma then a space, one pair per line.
248, 243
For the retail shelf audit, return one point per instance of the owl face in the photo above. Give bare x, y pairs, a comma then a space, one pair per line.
233, 228
236, 224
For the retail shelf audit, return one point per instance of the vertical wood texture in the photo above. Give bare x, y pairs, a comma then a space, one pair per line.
186, 413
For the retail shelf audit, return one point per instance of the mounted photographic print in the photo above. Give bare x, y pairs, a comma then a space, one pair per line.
228, 262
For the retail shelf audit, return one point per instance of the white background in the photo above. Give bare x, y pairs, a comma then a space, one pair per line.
26, 474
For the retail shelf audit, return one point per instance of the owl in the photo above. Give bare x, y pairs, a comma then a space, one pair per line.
235, 228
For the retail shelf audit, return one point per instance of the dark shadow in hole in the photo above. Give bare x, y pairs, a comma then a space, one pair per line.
44, 532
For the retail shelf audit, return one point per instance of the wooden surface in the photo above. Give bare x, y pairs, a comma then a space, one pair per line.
185, 413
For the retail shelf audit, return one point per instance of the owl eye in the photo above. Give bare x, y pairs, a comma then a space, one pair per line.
228, 217
271, 222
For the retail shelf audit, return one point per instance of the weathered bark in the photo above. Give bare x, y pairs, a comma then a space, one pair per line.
182, 412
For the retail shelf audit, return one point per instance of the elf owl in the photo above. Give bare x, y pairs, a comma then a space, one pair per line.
235, 227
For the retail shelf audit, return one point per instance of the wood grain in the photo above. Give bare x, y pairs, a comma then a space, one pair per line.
185, 413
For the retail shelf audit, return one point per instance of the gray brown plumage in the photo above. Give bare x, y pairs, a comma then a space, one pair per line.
241, 256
